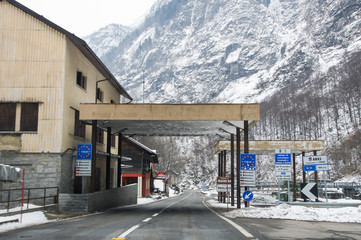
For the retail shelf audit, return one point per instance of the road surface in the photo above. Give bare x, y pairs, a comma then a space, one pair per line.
182, 217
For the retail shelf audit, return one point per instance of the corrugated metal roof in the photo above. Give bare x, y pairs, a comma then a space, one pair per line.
80, 44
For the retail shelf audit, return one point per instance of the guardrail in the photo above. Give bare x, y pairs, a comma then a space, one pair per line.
45, 192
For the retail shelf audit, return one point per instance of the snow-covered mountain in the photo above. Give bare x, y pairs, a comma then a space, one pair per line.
298, 57
107, 38
231, 50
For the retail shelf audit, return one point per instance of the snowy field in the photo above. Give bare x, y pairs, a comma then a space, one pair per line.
285, 211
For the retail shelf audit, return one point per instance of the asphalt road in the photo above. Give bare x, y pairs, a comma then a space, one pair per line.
183, 217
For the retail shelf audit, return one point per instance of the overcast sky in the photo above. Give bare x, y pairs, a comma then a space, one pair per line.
83, 17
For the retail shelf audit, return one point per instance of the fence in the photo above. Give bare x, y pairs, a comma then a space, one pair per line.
40, 196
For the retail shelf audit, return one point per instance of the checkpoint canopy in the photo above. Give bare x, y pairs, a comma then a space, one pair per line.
267, 147
171, 119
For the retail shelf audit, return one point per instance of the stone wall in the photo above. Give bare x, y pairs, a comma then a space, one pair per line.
41, 169
92, 202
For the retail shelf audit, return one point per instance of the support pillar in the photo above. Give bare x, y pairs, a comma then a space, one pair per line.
246, 151
224, 172
294, 177
303, 172
94, 152
119, 172
108, 158
316, 176
219, 173
232, 169
238, 172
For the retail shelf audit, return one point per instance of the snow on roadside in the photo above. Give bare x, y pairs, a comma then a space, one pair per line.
284, 211
28, 219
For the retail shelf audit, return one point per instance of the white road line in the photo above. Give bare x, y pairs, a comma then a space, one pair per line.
239, 228
124, 234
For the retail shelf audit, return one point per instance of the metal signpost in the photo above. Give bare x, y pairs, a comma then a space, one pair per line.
248, 170
316, 163
283, 167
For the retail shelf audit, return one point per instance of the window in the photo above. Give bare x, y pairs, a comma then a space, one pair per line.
100, 135
7, 116
112, 140
79, 126
81, 79
29, 117
99, 95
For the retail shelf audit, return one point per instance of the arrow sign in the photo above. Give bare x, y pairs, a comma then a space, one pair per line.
248, 196
309, 190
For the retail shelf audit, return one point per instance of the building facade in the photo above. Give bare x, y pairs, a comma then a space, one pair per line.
139, 168
45, 73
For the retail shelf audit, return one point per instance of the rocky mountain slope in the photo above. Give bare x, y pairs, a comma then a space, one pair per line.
231, 50
292, 56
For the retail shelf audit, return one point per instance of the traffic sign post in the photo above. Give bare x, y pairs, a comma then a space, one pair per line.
315, 163
283, 168
247, 196
247, 171
309, 190
83, 160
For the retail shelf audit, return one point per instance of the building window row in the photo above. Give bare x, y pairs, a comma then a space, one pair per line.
19, 117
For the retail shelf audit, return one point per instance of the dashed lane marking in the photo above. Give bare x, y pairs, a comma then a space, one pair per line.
147, 219
126, 233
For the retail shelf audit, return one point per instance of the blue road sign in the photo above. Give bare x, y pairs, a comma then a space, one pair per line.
283, 158
84, 152
248, 161
247, 195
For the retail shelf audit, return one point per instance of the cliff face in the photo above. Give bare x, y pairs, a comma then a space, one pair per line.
231, 51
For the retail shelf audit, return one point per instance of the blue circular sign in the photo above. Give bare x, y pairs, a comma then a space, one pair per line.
247, 196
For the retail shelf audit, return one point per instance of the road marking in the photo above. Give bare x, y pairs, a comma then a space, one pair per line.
118, 238
239, 228
124, 234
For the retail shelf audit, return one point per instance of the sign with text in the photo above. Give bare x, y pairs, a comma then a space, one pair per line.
248, 161
283, 158
223, 184
83, 160
315, 163
248, 178
283, 165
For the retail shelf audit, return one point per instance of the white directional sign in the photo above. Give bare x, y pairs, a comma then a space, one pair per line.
315, 163
223, 184
309, 190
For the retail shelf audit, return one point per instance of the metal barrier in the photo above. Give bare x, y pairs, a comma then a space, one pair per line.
29, 197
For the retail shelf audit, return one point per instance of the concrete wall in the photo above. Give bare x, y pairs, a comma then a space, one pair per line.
92, 202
